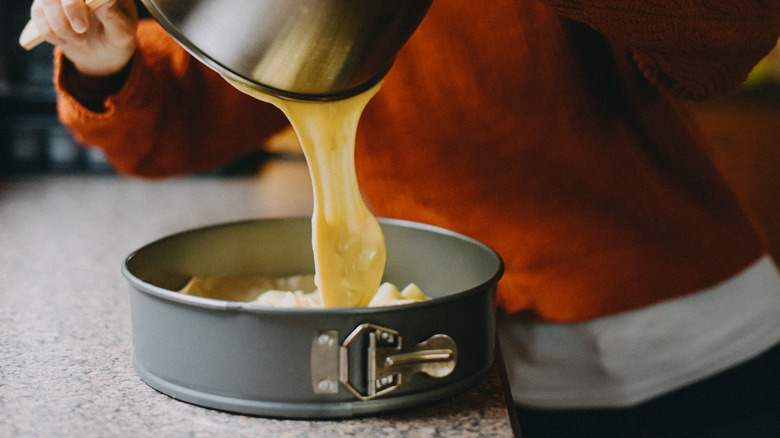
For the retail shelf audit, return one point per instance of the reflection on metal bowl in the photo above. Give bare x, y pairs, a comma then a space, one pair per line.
298, 49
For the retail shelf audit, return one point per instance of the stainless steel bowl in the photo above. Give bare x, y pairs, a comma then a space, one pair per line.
311, 363
297, 49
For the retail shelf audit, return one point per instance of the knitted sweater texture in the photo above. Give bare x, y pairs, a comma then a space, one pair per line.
552, 131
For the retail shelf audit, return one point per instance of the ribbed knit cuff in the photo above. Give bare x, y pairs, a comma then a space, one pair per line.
92, 91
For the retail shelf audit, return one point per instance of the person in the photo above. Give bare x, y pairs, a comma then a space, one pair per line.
638, 299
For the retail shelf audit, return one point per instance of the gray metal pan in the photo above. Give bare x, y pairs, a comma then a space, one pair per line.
311, 363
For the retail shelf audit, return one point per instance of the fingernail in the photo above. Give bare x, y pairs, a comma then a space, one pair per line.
79, 25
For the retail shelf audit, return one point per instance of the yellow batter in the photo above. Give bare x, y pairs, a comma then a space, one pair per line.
349, 248
294, 291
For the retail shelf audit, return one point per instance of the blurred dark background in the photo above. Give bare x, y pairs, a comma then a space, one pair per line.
32, 141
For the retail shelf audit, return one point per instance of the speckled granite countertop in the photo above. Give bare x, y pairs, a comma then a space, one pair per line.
65, 339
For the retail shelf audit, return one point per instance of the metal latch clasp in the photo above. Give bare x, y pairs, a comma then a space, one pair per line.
388, 362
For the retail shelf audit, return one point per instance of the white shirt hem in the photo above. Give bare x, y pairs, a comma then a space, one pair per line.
631, 357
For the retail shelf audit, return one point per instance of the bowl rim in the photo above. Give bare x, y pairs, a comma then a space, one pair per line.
210, 61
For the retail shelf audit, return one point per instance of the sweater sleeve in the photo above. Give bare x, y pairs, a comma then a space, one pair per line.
171, 116
694, 49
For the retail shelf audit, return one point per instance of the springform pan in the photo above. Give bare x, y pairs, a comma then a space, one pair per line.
311, 363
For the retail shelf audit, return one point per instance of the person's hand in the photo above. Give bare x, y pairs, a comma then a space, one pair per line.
99, 43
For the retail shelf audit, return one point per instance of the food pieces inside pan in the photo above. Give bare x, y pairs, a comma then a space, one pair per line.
293, 291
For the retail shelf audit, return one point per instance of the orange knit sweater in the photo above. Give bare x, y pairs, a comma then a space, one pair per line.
549, 130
